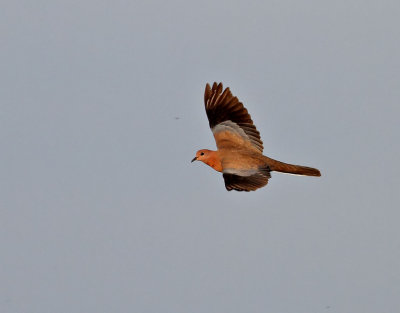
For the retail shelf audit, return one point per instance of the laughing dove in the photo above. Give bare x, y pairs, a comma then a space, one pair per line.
239, 147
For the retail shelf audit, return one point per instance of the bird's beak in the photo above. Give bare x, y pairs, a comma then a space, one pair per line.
194, 159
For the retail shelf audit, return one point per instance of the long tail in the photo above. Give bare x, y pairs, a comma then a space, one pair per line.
278, 166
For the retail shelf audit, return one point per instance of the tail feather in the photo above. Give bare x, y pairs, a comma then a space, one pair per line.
278, 166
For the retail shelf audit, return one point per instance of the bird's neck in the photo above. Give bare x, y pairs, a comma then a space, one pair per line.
214, 161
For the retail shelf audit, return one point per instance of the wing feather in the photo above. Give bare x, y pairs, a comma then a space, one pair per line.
242, 181
225, 109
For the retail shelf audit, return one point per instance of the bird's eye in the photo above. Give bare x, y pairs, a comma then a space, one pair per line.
201, 153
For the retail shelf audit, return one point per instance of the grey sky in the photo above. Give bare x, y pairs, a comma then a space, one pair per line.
100, 207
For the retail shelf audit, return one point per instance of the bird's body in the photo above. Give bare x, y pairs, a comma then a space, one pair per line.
239, 156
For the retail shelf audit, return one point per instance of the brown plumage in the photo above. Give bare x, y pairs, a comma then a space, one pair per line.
239, 147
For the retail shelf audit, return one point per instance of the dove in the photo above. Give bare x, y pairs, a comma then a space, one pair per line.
239, 155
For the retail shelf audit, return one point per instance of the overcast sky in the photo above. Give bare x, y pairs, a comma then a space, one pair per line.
101, 111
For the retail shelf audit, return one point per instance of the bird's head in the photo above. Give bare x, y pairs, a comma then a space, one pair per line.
202, 155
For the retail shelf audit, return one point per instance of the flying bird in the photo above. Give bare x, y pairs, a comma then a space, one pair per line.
239, 156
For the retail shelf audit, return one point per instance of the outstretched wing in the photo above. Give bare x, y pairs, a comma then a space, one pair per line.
246, 181
229, 120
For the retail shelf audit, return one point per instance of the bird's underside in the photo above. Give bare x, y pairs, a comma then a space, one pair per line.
239, 147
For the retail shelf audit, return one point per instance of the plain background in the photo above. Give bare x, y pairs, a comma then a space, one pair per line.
102, 110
